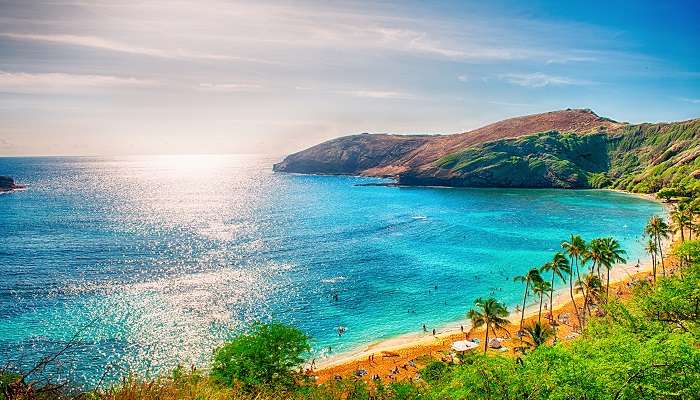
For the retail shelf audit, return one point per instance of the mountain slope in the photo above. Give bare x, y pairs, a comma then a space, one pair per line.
549, 159
579, 150
390, 155
646, 157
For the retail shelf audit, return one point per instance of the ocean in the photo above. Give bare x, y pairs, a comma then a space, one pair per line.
150, 262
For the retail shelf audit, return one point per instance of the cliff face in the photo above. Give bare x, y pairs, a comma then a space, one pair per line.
561, 149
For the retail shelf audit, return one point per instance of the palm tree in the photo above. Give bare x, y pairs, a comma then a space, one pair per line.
490, 313
540, 288
681, 219
693, 209
538, 334
613, 255
591, 287
657, 229
652, 249
575, 248
596, 253
531, 278
559, 266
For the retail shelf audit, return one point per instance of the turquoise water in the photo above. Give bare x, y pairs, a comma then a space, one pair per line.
157, 260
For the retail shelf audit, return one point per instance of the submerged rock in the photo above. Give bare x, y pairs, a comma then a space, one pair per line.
7, 184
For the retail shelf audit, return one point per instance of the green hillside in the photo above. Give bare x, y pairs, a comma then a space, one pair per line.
639, 158
644, 158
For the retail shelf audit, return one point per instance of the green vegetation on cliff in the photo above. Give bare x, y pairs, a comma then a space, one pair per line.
638, 158
550, 159
647, 157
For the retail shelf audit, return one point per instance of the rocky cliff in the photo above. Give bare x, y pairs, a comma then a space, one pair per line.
560, 149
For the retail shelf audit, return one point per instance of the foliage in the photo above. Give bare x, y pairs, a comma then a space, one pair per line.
688, 250
538, 334
266, 355
599, 180
643, 158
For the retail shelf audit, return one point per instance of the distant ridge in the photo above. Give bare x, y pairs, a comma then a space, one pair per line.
572, 148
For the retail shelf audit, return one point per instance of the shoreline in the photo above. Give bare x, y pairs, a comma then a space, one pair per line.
425, 342
623, 273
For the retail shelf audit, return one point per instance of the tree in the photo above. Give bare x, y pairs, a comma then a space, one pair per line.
575, 248
682, 219
540, 289
559, 267
530, 279
613, 255
652, 250
491, 313
538, 334
591, 287
595, 253
657, 229
266, 355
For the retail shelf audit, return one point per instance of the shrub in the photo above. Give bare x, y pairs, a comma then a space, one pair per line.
266, 355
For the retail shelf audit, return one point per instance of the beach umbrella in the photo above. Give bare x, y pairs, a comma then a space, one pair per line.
464, 345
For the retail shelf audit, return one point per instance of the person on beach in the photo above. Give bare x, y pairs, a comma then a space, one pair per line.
433, 331
461, 328
424, 328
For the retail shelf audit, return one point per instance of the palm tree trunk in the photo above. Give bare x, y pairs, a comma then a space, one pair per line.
571, 292
585, 306
607, 287
578, 274
661, 253
522, 312
551, 300
486, 339
539, 317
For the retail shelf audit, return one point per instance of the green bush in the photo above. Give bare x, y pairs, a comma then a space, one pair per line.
266, 355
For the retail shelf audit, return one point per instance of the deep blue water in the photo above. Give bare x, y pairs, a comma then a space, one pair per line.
156, 260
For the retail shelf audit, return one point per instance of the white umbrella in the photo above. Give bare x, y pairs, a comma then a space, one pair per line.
464, 345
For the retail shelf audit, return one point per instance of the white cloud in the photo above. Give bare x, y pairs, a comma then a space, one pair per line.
21, 82
231, 87
112, 45
462, 78
570, 59
538, 79
692, 101
378, 94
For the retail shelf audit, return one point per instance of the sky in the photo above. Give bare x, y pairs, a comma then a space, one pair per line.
206, 76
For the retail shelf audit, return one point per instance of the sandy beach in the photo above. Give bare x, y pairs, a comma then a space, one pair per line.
400, 357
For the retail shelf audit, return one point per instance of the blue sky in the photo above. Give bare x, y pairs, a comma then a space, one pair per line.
99, 77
